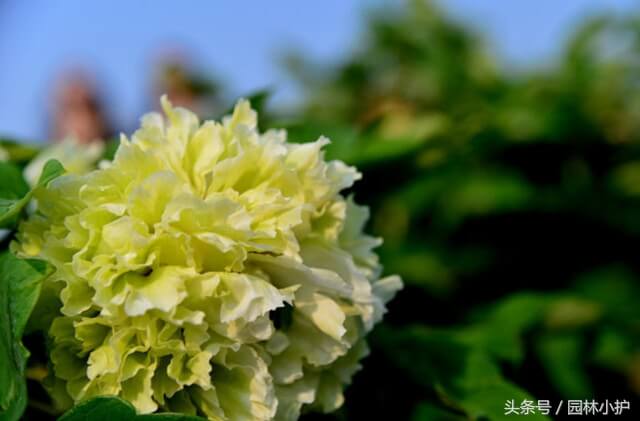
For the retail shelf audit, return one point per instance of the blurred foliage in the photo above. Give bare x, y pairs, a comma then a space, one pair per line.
510, 205
17, 152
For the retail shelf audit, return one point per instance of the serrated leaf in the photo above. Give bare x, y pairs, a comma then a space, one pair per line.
20, 282
109, 408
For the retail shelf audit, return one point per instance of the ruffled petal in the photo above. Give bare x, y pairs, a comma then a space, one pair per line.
209, 269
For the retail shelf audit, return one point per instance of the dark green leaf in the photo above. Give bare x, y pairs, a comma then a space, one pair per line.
12, 204
614, 349
561, 355
17, 405
110, 149
20, 282
465, 376
257, 99
12, 184
373, 151
505, 324
110, 408
616, 289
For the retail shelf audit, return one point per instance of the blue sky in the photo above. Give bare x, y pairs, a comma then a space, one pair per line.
238, 40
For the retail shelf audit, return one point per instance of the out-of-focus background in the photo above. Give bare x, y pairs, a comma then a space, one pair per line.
500, 146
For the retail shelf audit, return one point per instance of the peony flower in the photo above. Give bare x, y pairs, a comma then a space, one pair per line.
209, 269
77, 158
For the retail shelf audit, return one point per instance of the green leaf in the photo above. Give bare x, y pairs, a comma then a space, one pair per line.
12, 185
465, 376
18, 151
108, 408
505, 324
616, 289
17, 406
374, 151
484, 193
20, 282
562, 357
52, 169
428, 266
12, 204
258, 100
614, 349
110, 148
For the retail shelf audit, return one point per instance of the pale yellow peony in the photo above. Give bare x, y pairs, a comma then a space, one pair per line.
209, 269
